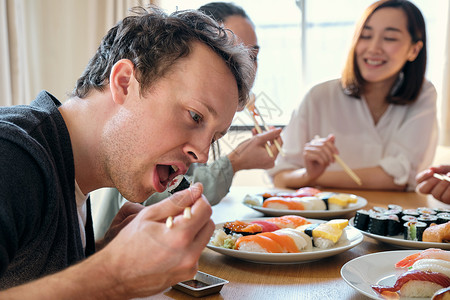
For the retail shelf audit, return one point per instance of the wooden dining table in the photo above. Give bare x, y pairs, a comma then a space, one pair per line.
320, 279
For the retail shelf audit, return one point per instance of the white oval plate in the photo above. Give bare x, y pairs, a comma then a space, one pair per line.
353, 235
376, 268
399, 241
361, 202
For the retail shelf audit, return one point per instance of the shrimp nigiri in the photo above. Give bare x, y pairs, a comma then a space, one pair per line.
428, 253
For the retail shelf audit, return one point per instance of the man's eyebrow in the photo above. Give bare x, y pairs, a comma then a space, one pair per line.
211, 110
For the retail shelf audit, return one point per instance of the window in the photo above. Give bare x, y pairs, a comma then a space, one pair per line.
293, 58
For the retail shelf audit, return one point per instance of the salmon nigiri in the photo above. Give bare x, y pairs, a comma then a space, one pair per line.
428, 253
289, 221
258, 243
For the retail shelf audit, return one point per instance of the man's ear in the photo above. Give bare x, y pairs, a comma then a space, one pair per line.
120, 80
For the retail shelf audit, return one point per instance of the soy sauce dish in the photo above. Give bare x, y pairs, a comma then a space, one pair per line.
201, 285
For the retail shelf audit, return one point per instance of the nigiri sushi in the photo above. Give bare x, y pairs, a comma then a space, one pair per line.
437, 233
341, 201
283, 203
244, 228
295, 203
289, 221
281, 241
428, 253
428, 271
258, 243
415, 283
266, 226
325, 235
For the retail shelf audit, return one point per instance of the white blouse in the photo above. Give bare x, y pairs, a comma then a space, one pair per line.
403, 142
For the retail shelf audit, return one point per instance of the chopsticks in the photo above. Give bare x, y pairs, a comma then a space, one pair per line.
441, 177
259, 130
253, 112
186, 214
187, 210
347, 169
267, 129
345, 166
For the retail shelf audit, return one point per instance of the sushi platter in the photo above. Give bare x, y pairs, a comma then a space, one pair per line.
354, 237
327, 211
402, 275
419, 228
398, 240
377, 268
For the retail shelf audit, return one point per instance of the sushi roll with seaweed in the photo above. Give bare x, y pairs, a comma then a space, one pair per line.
361, 220
413, 230
179, 183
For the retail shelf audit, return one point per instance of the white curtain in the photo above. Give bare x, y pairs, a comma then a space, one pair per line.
45, 44
445, 106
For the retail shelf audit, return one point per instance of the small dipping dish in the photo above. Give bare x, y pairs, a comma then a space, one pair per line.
201, 285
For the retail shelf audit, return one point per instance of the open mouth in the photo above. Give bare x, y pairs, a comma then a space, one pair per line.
166, 174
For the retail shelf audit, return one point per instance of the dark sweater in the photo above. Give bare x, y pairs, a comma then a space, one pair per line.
39, 230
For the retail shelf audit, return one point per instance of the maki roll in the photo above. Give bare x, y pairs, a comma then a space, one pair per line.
428, 219
378, 224
394, 207
411, 212
361, 220
443, 218
413, 230
394, 227
426, 210
408, 218
179, 183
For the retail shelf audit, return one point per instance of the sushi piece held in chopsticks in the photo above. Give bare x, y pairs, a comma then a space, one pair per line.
179, 183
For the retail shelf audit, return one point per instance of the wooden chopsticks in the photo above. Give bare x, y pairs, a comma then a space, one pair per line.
347, 169
258, 130
253, 112
267, 129
441, 177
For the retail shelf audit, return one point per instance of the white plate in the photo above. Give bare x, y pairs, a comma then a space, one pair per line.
361, 202
399, 241
353, 235
371, 269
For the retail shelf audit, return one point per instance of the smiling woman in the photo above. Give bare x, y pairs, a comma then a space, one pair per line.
372, 115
